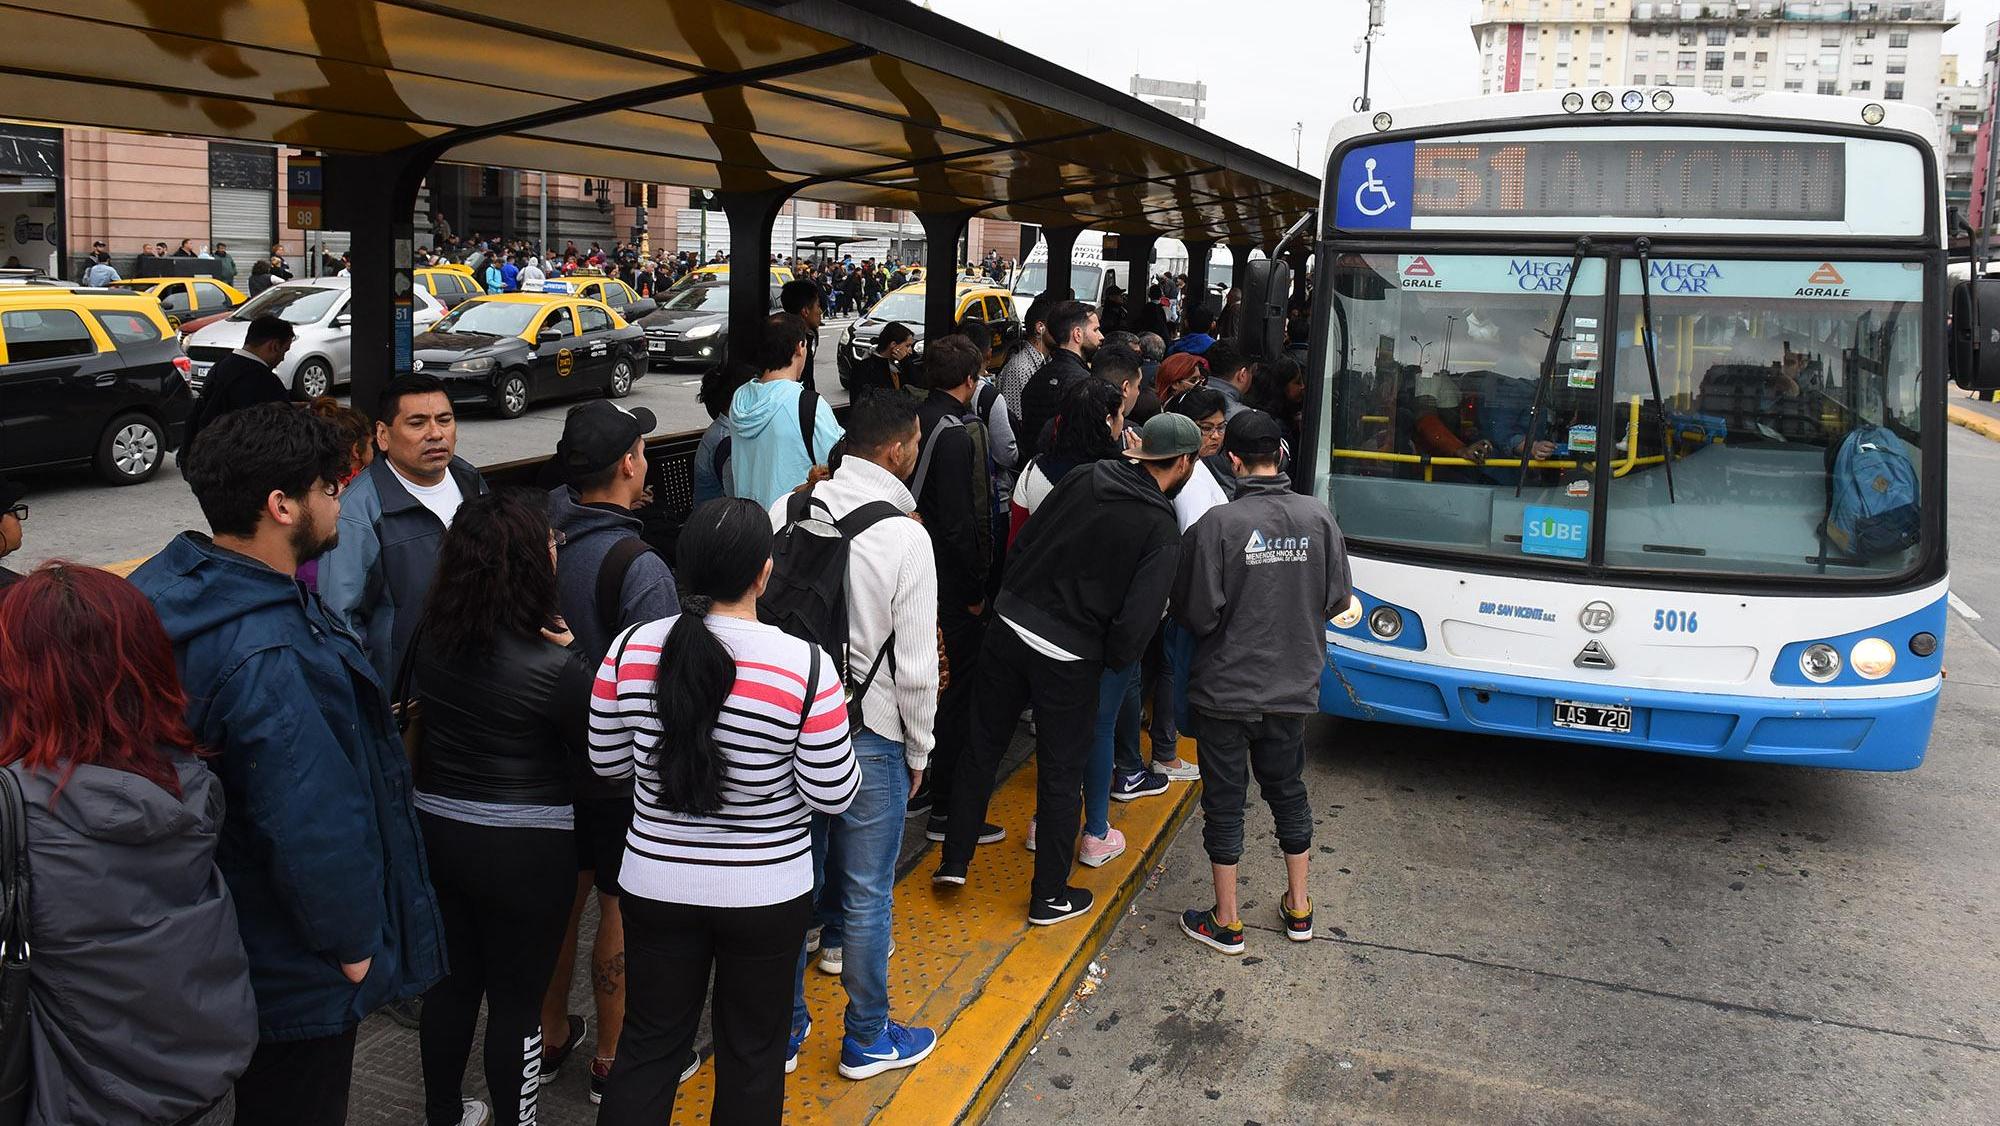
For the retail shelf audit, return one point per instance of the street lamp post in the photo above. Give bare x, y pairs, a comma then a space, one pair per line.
1367, 47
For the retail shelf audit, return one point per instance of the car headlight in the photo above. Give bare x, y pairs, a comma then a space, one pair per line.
1872, 657
703, 332
1820, 662
483, 364
1385, 623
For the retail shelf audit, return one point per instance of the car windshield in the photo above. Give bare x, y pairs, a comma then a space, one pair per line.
901, 305
295, 304
1086, 278
1778, 382
490, 318
699, 299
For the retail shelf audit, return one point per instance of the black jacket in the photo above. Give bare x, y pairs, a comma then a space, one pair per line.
506, 727
235, 382
1091, 569
1042, 398
954, 508
871, 374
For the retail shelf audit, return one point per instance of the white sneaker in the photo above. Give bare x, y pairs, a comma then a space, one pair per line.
1177, 770
472, 1112
830, 960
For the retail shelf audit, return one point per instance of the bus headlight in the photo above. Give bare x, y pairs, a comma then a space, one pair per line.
1663, 100
1923, 644
1572, 102
1385, 623
1382, 122
1820, 662
1601, 101
1633, 101
1873, 113
1873, 657
1350, 614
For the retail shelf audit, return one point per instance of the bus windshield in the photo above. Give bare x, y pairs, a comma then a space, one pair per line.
1782, 384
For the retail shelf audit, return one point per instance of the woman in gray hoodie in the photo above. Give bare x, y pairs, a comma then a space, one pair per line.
139, 991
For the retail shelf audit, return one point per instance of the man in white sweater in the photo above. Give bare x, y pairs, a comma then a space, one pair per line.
892, 606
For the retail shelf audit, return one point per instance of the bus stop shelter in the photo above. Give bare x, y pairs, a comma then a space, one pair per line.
872, 102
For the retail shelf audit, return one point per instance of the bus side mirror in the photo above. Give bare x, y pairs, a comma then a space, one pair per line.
1267, 286
1975, 335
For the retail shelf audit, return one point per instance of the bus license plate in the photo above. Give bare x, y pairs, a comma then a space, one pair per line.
1594, 717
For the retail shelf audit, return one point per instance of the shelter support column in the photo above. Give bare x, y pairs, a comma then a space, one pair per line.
751, 215
942, 230
1137, 251
1240, 253
375, 198
1062, 248
1297, 257
1198, 255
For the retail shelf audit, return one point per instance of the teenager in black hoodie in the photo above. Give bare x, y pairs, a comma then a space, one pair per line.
1086, 583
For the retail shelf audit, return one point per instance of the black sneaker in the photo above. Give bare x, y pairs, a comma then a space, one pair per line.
949, 874
408, 1012
1132, 787
1071, 903
921, 801
989, 833
552, 1061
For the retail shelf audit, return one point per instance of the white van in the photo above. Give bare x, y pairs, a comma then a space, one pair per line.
1090, 273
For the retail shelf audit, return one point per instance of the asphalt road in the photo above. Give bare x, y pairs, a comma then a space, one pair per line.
72, 516
1520, 932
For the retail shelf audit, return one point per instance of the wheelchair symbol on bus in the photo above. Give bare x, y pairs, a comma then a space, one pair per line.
1372, 186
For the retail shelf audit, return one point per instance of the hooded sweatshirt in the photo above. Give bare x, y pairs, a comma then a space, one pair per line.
1091, 569
319, 842
768, 456
139, 991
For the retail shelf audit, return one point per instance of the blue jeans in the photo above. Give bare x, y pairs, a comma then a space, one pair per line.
1117, 690
865, 842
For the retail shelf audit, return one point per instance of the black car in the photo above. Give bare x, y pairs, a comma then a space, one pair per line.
691, 327
508, 350
89, 377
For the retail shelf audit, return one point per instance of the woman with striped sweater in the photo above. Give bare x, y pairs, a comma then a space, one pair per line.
736, 733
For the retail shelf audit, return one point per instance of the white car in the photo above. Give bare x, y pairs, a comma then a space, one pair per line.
321, 355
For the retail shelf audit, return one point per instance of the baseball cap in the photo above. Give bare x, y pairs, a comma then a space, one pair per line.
1165, 437
598, 433
1253, 434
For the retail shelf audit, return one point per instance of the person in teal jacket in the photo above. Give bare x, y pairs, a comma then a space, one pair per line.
770, 450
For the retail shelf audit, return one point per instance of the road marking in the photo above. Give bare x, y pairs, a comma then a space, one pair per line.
687, 383
1964, 611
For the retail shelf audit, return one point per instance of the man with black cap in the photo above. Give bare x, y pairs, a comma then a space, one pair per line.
607, 578
1086, 582
1258, 579
13, 510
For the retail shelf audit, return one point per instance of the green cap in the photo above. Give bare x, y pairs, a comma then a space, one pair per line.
1166, 436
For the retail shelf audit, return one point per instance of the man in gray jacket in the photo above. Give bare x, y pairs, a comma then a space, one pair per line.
1258, 579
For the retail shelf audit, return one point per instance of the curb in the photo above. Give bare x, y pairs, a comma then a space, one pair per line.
1985, 427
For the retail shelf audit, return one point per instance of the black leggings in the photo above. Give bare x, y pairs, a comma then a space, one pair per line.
505, 895
670, 949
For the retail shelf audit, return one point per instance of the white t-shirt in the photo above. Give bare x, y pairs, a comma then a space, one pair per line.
1201, 493
442, 498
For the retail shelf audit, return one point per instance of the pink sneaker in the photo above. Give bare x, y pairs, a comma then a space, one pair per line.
1099, 851
1031, 834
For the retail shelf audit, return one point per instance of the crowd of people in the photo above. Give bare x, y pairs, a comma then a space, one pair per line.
377, 736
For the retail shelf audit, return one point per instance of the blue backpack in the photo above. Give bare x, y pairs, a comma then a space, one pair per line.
1872, 502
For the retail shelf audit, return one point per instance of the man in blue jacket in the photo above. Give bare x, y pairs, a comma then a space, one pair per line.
319, 845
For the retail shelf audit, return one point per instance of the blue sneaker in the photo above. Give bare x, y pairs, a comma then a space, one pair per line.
898, 1046
798, 1041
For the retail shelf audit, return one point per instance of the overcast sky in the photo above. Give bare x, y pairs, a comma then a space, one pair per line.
1270, 63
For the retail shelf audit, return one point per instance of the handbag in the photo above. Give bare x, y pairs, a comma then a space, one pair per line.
16, 1070
407, 707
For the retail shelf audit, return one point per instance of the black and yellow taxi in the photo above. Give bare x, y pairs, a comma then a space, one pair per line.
719, 271
509, 350
187, 299
89, 377
978, 299
452, 285
622, 299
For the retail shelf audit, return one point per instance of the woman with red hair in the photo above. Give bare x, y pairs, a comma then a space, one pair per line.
1182, 371
139, 991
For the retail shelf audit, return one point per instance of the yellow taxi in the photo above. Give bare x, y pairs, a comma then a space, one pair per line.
449, 283
187, 299
89, 377
603, 287
779, 274
978, 299
508, 350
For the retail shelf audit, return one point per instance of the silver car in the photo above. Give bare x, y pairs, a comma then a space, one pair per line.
321, 355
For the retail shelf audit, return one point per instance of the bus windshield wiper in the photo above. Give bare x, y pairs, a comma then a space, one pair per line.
1644, 246
1555, 335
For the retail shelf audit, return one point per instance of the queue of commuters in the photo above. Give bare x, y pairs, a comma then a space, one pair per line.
404, 781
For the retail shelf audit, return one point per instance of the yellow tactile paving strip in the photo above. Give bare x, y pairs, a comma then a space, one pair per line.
968, 964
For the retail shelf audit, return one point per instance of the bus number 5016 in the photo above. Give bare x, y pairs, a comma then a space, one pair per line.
1675, 621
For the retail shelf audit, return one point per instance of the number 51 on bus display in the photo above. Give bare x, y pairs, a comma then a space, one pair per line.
1675, 621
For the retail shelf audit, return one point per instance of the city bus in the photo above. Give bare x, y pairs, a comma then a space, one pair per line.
1630, 405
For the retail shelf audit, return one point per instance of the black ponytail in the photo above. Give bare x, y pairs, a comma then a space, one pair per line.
722, 550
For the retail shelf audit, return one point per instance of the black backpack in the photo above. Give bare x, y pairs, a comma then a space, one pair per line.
807, 594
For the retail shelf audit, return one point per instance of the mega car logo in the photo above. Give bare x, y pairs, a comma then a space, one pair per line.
1684, 277
1825, 282
1539, 275
565, 362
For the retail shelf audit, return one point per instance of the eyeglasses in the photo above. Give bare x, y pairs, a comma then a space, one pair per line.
1212, 427
18, 512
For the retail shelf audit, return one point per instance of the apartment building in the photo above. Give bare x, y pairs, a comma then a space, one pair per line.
1960, 108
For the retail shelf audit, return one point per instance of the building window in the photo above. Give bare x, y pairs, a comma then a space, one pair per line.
1714, 61
1738, 56
846, 211
1899, 39
1758, 81
1893, 91
1685, 65
1638, 56
1562, 35
1795, 84
1717, 36
1829, 86
1829, 39
242, 194
1897, 66
1712, 83
1762, 57
1736, 81
1864, 60
1859, 84
1961, 145
1763, 33
1597, 35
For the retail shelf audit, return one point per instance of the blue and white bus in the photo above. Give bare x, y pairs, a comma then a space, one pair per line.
1630, 403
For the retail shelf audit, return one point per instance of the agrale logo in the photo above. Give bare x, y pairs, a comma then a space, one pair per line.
1825, 282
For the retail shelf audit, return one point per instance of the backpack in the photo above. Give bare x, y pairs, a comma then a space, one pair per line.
1871, 495
982, 474
807, 594
611, 581
808, 414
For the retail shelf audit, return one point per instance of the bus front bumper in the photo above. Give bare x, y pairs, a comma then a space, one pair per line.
1881, 733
